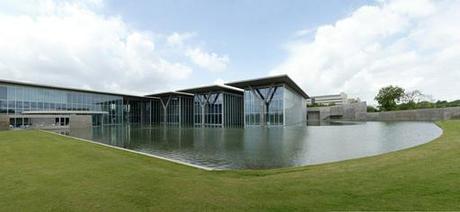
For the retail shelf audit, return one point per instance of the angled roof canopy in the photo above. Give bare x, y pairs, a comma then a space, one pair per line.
266, 81
70, 89
170, 93
212, 88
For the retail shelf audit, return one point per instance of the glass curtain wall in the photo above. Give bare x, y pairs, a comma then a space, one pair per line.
295, 108
15, 99
219, 109
157, 111
254, 106
179, 111
208, 110
233, 110
186, 108
139, 111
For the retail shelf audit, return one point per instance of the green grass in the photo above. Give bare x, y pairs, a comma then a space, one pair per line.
41, 171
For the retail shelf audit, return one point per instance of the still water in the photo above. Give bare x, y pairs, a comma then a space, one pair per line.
263, 148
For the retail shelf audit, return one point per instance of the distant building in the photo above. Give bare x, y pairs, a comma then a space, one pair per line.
329, 100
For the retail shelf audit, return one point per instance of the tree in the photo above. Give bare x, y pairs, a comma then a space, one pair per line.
371, 109
388, 97
416, 96
412, 96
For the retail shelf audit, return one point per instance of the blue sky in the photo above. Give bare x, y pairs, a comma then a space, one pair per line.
251, 33
143, 47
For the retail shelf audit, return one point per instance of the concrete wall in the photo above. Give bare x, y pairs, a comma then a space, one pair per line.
414, 115
4, 122
352, 111
80, 121
43, 122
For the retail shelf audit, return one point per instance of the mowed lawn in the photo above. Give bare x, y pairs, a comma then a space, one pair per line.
41, 171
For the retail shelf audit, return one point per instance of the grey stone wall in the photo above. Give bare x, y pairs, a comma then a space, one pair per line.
42, 122
80, 121
352, 111
435, 114
4, 122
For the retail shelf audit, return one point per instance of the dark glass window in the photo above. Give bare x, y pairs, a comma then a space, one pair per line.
3, 92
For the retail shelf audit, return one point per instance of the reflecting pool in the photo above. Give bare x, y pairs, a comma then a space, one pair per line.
262, 148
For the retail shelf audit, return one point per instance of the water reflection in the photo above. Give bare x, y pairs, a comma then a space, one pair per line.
260, 148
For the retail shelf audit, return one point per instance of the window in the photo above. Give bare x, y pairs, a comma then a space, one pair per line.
3, 92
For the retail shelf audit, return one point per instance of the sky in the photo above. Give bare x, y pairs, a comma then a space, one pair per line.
144, 47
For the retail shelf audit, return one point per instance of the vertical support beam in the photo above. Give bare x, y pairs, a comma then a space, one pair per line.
259, 96
142, 113
265, 102
203, 102
165, 106
151, 108
180, 111
223, 109
128, 110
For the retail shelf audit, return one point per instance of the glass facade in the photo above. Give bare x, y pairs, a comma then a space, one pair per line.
218, 109
254, 106
176, 110
295, 108
140, 111
275, 105
106, 109
233, 110
208, 110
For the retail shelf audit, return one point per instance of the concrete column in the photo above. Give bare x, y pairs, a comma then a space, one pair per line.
4, 122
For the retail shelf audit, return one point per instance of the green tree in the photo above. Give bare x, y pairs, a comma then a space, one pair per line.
371, 109
388, 97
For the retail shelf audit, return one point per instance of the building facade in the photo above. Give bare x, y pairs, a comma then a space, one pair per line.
174, 108
329, 100
273, 101
217, 106
25, 103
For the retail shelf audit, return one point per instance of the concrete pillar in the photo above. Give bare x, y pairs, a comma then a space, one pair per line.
4, 122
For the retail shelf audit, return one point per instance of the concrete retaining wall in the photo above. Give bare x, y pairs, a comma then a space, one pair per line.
4, 122
435, 114
43, 122
80, 121
352, 111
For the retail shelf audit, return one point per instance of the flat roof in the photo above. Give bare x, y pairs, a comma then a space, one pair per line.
266, 81
170, 93
212, 88
69, 89
64, 112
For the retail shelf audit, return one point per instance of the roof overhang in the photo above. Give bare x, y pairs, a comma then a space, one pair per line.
267, 81
68, 89
64, 112
170, 93
213, 88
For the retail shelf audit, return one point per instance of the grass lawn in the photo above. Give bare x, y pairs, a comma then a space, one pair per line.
41, 171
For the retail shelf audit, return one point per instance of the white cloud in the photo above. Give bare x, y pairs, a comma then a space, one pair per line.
219, 81
413, 44
304, 32
178, 39
69, 44
208, 60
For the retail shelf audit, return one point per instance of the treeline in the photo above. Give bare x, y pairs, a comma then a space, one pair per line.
393, 98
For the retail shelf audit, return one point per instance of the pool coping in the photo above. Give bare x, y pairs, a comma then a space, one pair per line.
137, 152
